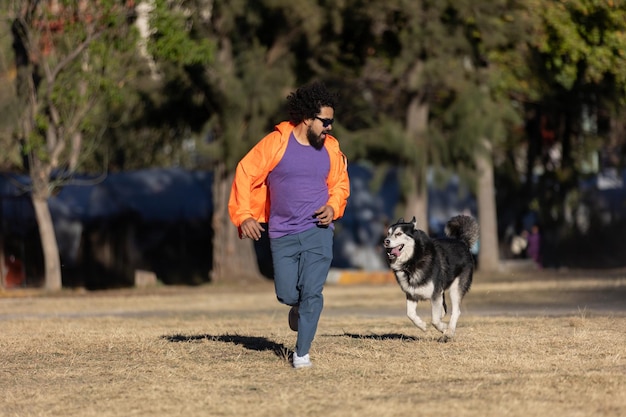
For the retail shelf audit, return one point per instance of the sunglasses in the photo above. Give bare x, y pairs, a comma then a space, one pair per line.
325, 122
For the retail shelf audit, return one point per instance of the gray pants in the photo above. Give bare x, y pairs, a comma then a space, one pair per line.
301, 265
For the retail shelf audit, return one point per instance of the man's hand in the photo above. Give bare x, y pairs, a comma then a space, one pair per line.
324, 215
251, 229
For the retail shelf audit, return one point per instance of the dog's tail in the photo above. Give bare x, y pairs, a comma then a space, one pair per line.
464, 228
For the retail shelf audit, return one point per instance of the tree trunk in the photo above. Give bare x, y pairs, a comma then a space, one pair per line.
77, 137
417, 199
234, 259
48, 244
488, 255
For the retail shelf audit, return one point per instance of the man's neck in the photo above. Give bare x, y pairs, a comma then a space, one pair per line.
299, 132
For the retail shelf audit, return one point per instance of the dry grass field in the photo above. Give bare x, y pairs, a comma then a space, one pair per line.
543, 344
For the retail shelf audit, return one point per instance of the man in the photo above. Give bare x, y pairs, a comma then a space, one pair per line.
295, 180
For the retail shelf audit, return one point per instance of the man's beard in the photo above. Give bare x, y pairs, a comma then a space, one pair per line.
316, 141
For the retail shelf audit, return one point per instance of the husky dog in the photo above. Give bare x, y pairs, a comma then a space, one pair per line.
426, 267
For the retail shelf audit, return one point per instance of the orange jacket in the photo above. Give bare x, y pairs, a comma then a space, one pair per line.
249, 192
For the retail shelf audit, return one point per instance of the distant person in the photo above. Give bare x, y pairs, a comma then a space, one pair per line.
14, 276
519, 245
533, 247
296, 180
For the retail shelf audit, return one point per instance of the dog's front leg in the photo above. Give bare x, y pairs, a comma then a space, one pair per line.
438, 312
411, 311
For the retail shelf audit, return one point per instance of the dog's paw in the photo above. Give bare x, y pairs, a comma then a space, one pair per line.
442, 327
444, 339
420, 325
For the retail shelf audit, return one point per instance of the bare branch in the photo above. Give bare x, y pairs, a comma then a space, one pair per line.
51, 75
73, 124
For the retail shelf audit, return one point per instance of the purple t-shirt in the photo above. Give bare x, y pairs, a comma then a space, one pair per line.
297, 189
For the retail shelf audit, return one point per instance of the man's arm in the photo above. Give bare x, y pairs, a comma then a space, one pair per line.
338, 185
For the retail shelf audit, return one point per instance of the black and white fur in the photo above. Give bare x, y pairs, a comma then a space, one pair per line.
427, 267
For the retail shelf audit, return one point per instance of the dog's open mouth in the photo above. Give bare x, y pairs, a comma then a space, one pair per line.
393, 253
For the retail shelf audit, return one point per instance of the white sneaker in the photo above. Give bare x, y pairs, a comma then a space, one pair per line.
301, 361
293, 318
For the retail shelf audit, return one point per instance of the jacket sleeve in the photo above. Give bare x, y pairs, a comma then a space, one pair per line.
338, 182
248, 194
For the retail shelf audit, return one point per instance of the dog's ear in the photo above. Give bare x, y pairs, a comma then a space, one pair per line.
400, 220
414, 221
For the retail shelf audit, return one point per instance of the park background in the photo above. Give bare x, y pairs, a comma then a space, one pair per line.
121, 123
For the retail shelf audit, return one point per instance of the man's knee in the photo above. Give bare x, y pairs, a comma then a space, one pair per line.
290, 301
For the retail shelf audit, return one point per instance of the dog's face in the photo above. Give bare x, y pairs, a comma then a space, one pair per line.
400, 242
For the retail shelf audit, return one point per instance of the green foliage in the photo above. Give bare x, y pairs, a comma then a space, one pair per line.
83, 58
175, 38
10, 155
222, 70
583, 41
406, 46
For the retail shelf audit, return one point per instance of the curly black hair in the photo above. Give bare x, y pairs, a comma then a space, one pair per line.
307, 101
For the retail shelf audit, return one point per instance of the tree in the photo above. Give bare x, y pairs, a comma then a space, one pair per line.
419, 116
57, 43
398, 66
482, 110
568, 78
152, 118
579, 62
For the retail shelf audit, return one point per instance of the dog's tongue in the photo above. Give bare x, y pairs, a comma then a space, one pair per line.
395, 251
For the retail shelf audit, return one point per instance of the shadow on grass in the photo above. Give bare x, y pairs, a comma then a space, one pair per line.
384, 336
256, 343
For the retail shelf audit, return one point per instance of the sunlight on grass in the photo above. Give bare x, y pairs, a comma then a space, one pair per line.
226, 353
